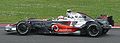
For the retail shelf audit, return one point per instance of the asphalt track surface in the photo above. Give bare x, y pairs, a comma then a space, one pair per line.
113, 36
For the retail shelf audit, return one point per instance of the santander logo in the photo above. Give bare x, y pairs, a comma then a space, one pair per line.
65, 30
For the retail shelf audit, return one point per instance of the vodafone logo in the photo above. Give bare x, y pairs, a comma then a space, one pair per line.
55, 27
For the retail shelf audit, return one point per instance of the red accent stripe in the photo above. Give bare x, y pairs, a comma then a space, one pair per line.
3, 25
116, 27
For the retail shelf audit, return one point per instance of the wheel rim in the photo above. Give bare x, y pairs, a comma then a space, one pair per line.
22, 28
93, 30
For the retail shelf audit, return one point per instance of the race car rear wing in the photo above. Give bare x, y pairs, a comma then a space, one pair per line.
108, 18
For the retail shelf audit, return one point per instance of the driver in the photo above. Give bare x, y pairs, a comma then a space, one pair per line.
69, 13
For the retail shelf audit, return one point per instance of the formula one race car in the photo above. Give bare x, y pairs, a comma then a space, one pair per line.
78, 24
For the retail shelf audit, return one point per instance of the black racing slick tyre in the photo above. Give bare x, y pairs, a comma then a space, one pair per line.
94, 30
23, 28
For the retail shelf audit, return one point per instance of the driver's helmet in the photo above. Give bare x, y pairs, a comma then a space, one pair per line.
69, 10
60, 17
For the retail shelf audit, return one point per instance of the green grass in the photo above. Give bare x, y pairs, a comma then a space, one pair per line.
12, 11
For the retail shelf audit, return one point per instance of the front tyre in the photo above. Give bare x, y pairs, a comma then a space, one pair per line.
22, 28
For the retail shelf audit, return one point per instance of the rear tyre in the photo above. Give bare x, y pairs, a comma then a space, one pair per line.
23, 28
94, 30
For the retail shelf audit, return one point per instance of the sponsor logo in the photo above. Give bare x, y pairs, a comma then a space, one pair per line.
65, 30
